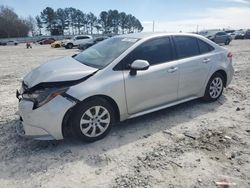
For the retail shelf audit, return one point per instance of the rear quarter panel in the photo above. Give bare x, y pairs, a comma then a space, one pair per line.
221, 63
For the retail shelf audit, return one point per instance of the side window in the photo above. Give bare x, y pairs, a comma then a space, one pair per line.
221, 33
186, 46
82, 37
155, 51
204, 47
99, 39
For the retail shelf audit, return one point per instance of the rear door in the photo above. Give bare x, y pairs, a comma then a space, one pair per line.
194, 64
156, 86
81, 39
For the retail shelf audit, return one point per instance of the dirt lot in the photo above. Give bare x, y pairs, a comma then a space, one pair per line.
195, 144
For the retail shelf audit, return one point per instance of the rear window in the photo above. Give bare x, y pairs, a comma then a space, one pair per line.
221, 33
204, 47
186, 46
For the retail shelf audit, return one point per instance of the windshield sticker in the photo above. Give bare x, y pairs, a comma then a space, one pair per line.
129, 40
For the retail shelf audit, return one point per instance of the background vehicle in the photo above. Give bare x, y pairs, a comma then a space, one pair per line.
47, 41
56, 44
120, 78
86, 45
230, 33
247, 34
40, 40
3, 43
75, 41
219, 37
240, 34
12, 42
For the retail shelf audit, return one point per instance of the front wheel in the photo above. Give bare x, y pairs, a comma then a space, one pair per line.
69, 46
227, 42
92, 120
214, 88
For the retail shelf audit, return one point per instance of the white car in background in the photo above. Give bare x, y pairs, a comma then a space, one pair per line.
76, 40
12, 42
117, 79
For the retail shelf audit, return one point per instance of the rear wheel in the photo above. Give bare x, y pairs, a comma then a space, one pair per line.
93, 120
69, 46
214, 87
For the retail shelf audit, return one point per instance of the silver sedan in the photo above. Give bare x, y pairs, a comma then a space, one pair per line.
120, 78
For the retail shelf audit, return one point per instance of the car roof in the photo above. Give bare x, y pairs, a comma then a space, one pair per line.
147, 36
154, 34
82, 36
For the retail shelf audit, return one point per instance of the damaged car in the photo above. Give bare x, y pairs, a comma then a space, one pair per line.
120, 78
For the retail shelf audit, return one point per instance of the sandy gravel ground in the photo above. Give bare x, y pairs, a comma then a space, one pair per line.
195, 144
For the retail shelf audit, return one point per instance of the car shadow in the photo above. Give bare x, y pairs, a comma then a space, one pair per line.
21, 157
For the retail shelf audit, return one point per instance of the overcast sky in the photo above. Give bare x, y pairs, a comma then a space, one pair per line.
169, 15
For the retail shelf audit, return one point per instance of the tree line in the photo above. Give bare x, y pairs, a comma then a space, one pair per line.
73, 21
67, 21
11, 25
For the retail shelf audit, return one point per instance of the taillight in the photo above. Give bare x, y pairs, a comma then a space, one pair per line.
230, 55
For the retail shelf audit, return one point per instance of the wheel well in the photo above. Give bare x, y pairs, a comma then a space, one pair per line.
66, 130
224, 74
110, 101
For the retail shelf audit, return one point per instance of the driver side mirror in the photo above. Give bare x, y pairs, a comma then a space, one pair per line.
138, 65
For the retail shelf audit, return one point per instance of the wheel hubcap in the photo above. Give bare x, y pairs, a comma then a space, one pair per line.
95, 121
216, 87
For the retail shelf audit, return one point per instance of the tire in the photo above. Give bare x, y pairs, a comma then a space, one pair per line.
57, 46
214, 88
89, 125
227, 42
69, 46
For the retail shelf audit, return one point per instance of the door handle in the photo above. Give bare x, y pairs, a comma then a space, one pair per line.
206, 60
172, 69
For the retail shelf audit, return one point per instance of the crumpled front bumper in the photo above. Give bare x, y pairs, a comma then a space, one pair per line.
45, 122
27, 131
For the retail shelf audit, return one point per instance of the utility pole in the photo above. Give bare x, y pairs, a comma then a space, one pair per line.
153, 26
197, 29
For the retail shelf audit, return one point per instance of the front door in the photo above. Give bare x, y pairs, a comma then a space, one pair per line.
156, 86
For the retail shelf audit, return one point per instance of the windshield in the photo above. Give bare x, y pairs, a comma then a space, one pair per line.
103, 53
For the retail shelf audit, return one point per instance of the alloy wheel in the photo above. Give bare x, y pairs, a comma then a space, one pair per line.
95, 121
216, 87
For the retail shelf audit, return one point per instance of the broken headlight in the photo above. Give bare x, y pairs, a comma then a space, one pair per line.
43, 96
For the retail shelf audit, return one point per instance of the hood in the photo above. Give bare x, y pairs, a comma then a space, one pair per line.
59, 70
